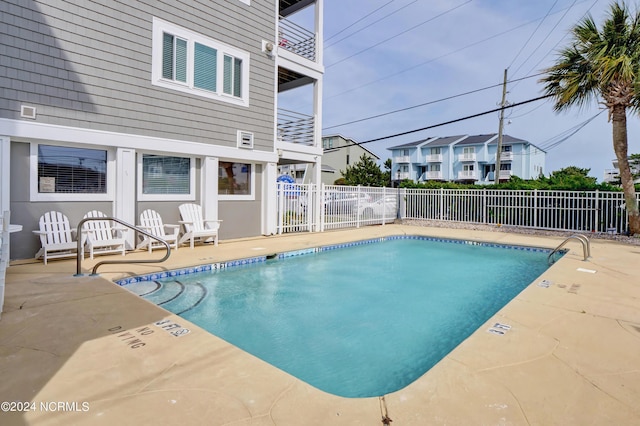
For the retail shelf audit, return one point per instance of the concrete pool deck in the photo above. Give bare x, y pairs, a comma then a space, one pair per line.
84, 351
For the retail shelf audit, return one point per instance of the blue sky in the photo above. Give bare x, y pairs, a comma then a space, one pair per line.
420, 51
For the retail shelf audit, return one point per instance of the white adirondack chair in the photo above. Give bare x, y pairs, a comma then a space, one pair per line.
151, 221
101, 236
195, 226
56, 237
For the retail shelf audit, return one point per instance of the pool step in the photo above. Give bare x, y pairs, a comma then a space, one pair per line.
168, 291
189, 297
143, 288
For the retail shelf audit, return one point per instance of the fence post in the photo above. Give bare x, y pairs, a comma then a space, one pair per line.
484, 205
280, 207
441, 204
535, 208
597, 209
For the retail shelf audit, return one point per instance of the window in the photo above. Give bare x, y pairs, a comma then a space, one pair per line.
405, 153
186, 61
435, 151
506, 148
435, 167
469, 150
165, 178
60, 173
235, 181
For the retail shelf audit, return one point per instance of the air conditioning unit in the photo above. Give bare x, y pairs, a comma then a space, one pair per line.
245, 140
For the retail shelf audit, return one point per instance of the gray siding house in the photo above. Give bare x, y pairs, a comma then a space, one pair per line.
124, 106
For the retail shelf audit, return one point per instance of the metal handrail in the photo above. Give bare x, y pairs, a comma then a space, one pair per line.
80, 255
586, 246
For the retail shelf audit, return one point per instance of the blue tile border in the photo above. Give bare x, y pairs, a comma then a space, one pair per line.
302, 252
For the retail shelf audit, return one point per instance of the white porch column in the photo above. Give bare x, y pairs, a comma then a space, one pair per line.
316, 179
269, 199
5, 173
209, 188
125, 201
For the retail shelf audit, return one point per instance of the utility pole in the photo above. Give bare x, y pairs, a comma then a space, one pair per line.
500, 127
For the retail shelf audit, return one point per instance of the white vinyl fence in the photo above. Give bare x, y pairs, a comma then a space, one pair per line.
348, 206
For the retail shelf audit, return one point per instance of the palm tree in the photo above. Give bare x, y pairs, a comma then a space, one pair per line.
603, 65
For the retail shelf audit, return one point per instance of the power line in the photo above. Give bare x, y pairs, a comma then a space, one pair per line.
399, 34
368, 26
532, 34
427, 103
359, 20
448, 122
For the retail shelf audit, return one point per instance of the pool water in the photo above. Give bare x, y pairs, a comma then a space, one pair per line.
360, 321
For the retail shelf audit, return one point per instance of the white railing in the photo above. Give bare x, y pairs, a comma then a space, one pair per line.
592, 211
434, 175
349, 206
467, 174
467, 156
506, 156
403, 175
402, 159
296, 39
295, 127
434, 158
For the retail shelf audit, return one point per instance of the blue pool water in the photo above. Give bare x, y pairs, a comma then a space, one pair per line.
359, 321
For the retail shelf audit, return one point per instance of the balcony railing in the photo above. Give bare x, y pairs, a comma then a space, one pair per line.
295, 127
433, 175
403, 175
434, 158
296, 39
505, 174
402, 159
467, 156
467, 174
506, 156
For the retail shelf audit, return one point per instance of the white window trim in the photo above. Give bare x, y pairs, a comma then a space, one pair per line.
160, 26
252, 186
191, 196
35, 196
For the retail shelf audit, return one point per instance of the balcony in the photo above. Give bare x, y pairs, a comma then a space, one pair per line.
296, 39
467, 175
294, 127
467, 156
505, 174
433, 158
402, 159
403, 175
433, 175
506, 156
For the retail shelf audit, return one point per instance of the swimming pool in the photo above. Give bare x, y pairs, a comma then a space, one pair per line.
361, 321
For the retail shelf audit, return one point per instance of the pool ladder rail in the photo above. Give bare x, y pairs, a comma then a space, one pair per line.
586, 247
112, 262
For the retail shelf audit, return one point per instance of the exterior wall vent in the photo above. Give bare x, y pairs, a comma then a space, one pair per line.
28, 112
245, 140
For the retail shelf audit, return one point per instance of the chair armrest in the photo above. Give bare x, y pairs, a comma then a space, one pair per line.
186, 222
169, 225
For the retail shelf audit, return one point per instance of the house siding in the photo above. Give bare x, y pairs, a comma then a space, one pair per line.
88, 64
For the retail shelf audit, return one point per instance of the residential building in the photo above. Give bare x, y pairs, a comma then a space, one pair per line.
613, 175
466, 159
338, 153
124, 106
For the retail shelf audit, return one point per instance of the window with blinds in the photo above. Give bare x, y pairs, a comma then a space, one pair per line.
165, 175
199, 65
70, 170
